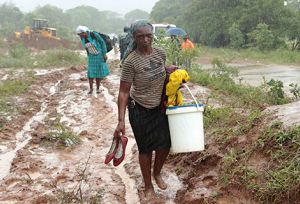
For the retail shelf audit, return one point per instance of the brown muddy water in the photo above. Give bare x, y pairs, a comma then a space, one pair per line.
255, 74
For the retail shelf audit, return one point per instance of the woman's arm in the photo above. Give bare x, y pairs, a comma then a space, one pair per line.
122, 102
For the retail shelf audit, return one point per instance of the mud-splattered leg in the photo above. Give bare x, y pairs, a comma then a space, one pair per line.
145, 164
160, 158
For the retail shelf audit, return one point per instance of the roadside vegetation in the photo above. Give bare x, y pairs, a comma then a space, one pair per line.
61, 136
18, 56
229, 55
10, 90
274, 177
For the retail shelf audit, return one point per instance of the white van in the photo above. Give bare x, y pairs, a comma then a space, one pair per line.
159, 27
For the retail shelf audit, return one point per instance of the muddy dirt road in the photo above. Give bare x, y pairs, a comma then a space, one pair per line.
32, 172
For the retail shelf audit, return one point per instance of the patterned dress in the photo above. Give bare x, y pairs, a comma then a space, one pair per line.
96, 49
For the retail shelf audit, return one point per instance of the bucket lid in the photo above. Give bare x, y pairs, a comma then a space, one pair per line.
184, 108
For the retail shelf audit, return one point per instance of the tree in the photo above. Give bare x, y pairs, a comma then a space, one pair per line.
11, 19
236, 36
169, 11
103, 21
136, 14
262, 37
212, 19
293, 30
53, 14
293, 4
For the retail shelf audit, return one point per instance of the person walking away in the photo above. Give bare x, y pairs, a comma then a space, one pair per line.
141, 87
187, 46
124, 41
96, 53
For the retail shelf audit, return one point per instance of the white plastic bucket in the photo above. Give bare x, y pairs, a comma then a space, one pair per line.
186, 127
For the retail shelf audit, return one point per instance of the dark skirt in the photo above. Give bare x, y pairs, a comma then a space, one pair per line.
150, 127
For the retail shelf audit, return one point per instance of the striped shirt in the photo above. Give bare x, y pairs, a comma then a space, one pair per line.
147, 75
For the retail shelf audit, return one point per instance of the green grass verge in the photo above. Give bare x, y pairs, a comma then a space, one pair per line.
9, 91
279, 56
279, 180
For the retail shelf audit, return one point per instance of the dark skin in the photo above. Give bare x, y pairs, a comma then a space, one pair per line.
91, 80
143, 37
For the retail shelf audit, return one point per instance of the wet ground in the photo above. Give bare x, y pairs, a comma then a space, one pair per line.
34, 172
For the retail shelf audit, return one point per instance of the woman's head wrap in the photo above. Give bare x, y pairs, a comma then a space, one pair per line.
133, 28
140, 24
81, 29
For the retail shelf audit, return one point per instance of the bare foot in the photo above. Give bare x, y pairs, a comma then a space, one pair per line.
150, 195
90, 92
152, 198
160, 182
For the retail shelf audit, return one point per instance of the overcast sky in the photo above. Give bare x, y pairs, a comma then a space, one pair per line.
119, 6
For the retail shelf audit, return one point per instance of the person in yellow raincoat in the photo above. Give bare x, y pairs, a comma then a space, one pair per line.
177, 77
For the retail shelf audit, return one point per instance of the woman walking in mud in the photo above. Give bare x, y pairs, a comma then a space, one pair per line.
96, 52
141, 87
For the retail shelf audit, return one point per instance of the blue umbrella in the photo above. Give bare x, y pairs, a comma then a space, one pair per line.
176, 31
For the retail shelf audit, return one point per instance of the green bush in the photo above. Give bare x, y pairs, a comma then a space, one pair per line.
236, 36
262, 37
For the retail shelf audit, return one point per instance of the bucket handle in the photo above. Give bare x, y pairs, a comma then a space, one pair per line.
197, 104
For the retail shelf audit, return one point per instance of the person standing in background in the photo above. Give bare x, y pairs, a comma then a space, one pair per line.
124, 41
187, 48
96, 53
187, 43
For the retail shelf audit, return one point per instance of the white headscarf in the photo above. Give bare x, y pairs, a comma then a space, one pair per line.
81, 29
